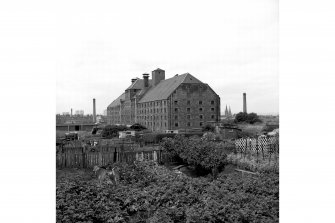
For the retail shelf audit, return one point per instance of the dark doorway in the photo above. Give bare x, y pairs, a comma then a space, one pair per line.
76, 128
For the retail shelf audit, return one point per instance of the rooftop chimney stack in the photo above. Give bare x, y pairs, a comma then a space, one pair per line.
244, 102
146, 80
94, 115
133, 80
157, 76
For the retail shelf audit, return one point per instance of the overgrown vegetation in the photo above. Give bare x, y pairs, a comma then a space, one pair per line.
110, 131
208, 128
251, 163
204, 154
250, 118
151, 193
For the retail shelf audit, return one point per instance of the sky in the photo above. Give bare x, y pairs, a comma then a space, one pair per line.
230, 45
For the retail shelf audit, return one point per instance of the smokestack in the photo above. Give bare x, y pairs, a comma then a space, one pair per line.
94, 115
244, 102
146, 80
71, 112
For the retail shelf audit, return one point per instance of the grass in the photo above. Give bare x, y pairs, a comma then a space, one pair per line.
250, 162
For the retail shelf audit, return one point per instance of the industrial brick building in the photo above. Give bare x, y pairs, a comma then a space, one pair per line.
181, 102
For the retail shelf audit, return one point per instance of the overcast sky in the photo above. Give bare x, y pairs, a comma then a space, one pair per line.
230, 44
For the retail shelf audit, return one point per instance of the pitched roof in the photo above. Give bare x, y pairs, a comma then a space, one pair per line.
117, 102
138, 84
166, 87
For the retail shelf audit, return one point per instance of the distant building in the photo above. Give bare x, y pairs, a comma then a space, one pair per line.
66, 113
75, 119
180, 102
79, 112
227, 113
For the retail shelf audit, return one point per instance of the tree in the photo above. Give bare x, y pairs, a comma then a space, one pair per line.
203, 154
110, 131
208, 128
241, 117
253, 118
248, 118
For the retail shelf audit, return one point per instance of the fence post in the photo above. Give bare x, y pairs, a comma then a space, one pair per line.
270, 151
263, 150
257, 150
246, 147
100, 155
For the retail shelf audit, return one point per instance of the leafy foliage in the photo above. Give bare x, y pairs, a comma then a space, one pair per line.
111, 131
248, 118
151, 193
200, 152
208, 128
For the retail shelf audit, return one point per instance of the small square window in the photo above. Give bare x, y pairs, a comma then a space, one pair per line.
213, 116
189, 124
212, 102
212, 109
176, 117
188, 109
176, 124
200, 109
200, 123
188, 102
176, 109
175, 102
200, 102
188, 117
201, 116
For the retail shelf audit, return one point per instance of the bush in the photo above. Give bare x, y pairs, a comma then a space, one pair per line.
159, 195
156, 137
111, 131
205, 155
208, 128
248, 118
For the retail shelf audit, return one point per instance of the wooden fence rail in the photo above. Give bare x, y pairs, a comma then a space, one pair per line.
79, 157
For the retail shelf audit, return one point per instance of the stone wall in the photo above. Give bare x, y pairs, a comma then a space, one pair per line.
193, 106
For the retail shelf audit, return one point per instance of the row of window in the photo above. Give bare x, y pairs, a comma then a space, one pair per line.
189, 117
152, 103
145, 111
176, 124
159, 103
175, 117
161, 110
189, 102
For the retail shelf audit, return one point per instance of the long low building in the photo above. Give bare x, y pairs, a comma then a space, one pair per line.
75, 127
180, 102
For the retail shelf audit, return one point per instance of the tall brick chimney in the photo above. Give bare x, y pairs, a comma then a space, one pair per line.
157, 76
94, 114
146, 80
244, 102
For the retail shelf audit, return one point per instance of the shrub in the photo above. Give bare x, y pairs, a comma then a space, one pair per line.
208, 128
205, 155
110, 131
248, 118
156, 137
159, 195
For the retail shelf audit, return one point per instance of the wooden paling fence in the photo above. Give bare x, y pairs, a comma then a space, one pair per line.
261, 147
80, 157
